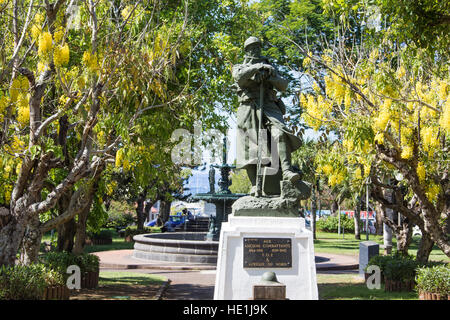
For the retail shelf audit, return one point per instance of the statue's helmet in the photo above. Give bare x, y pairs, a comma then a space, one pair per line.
250, 41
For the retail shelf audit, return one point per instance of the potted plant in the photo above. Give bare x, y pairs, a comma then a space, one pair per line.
90, 270
56, 288
399, 274
89, 265
433, 283
31, 282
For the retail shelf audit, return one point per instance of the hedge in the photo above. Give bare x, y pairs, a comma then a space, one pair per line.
27, 282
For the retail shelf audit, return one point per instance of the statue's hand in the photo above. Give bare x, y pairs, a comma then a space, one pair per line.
267, 68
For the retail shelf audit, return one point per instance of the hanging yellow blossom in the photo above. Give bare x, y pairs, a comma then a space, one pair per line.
443, 90
126, 164
432, 191
379, 138
35, 32
90, 61
127, 11
119, 157
58, 35
444, 121
7, 190
45, 43
327, 169
23, 110
430, 139
407, 152
18, 86
18, 167
61, 55
358, 175
421, 173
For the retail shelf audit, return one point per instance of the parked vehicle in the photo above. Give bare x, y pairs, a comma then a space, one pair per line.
174, 220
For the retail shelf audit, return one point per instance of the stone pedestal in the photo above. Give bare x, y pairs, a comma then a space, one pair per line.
252, 245
367, 249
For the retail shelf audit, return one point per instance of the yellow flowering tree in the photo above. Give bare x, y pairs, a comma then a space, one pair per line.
80, 83
390, 112
72, 95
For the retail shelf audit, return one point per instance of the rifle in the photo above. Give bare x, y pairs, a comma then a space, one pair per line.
259, 175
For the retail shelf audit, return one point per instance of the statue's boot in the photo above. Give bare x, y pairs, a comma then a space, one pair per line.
285, 161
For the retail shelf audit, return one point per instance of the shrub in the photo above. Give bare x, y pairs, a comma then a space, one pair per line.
331, 224
382, 261
132, 230
119, 220
400, 269
60, 261
102, 234
27, 282
379, 261
434, 279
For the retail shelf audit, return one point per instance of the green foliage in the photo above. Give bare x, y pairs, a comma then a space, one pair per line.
27, 282
119, 215
382, 261
132, 230
331, 224
400, 269
97, 216
60, 261
240, 183
102, 234
434, 279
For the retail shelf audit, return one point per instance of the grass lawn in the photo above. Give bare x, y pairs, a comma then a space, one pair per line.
129, 278
334, 243
123, 285
118, 244
353, 287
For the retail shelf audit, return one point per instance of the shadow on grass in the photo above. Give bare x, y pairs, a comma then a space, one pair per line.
129, 280
118, 244
189, 292
346, 291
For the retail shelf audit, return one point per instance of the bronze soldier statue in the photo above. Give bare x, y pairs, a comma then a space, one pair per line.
257, 85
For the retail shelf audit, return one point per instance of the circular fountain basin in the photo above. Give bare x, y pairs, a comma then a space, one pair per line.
187, 247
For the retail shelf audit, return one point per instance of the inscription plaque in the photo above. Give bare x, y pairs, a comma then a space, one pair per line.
267, 253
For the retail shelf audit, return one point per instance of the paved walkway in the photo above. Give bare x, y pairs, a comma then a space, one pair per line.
123, 259
196, 282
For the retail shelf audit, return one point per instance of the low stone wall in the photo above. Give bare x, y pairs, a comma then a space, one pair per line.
187, 247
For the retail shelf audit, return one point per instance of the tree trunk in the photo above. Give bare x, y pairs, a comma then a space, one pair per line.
387, 230
313, 213
80, 235
378, 220
404, 237
147, 208
357, 218
425, 246
66, 233
10, 240
140, 212
31, 242
334, 208
164, 211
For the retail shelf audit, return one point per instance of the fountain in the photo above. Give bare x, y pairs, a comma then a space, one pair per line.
223, 199
193, 247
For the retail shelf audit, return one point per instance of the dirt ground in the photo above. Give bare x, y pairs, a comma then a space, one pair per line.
117, 292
